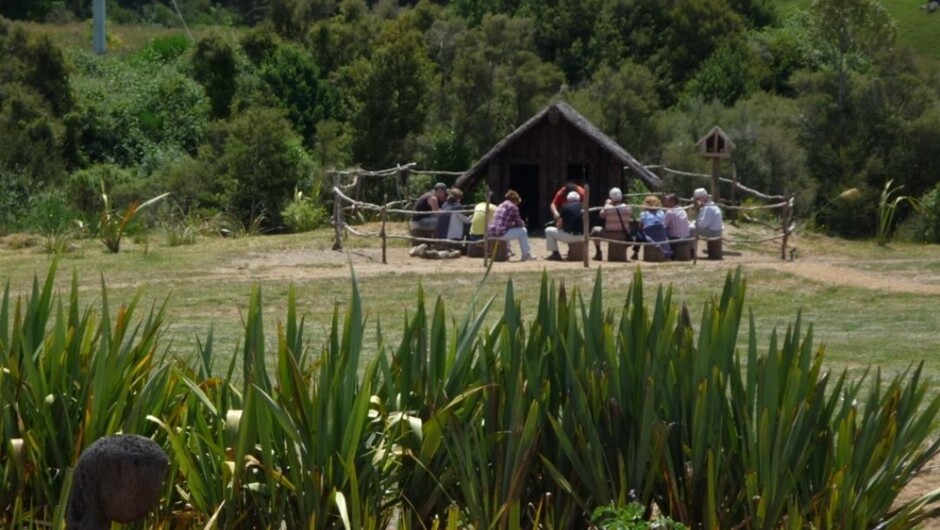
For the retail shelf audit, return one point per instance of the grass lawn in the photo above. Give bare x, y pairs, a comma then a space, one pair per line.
869, 306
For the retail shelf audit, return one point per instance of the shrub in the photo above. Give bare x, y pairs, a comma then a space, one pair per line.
303, 214
257, 160
50, 214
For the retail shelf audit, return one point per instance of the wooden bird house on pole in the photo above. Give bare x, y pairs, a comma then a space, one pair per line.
715, 145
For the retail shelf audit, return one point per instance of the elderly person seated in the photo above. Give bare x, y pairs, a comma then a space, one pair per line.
568, 228
616, 217
508, 224
707, 223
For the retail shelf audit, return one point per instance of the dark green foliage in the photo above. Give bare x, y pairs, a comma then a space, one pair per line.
390, 98
34, 94
215, 66
169, 48
83, 187
697, 29
51, 213
564, 32
730, 73
255, 161
140, 114
30, 136
295, 80
623, 103
25, 9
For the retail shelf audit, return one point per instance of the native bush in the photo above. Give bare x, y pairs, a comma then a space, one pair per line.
573, 412
256, 160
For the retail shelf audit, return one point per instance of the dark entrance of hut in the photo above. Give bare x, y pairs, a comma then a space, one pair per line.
524, 178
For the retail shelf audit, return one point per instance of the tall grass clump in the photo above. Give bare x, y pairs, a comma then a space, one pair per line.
567, 414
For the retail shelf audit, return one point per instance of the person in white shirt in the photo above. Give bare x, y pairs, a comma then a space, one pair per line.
707, 223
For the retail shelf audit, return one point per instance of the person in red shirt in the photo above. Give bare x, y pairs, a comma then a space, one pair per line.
561, 198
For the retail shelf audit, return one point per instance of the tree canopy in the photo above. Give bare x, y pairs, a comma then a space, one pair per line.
819, 99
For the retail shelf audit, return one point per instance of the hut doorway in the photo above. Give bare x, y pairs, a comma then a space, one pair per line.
524, 178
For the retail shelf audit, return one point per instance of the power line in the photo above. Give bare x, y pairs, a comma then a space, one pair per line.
180, 14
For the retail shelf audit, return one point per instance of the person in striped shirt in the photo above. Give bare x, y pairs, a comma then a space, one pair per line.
676, 220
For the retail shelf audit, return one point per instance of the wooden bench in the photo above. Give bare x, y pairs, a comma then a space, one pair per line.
617, 251
653, 254
476, 250
714, 250
575, 251
417, 232
682, 251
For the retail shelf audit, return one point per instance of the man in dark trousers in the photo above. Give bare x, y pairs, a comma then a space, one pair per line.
568, 228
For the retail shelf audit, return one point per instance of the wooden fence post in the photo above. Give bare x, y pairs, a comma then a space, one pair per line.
382, 232
586, 224
786, 227
486, 226
337, 214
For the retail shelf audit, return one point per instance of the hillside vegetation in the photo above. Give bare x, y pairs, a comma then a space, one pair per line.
916, 28
832, 100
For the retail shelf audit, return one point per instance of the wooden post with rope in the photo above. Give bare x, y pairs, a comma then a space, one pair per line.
382, 231
337, 214
586, 224
486, 226
786, 227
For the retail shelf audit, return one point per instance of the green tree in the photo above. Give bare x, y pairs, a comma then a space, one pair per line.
255, 161
215, 65
731, 73
390, 97
295, 80
564, 31
844, 36
696, 29
623, 103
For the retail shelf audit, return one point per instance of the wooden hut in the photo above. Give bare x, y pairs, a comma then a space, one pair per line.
556, 145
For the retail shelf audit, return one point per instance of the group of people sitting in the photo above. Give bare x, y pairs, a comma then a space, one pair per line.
657, 223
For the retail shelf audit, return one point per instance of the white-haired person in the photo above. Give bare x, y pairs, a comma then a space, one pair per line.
615, 218
569, 227
707, 223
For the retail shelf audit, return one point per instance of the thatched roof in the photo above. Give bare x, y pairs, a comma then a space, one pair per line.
576, 119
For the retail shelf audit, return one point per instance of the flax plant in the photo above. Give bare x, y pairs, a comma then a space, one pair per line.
68, 377
525, 423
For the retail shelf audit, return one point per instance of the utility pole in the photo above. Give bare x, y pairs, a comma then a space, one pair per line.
98, 38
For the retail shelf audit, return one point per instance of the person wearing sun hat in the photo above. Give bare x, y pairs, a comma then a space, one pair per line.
708, 222
616, 217
568, 228
652, 229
